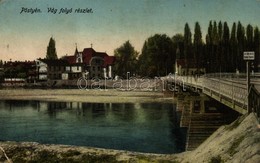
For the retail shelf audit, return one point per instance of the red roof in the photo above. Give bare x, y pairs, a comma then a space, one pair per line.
71, 59
109, 60
88, 53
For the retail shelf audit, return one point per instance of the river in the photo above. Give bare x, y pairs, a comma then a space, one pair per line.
141, 127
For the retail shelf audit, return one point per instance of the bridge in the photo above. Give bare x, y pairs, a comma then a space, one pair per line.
227, 88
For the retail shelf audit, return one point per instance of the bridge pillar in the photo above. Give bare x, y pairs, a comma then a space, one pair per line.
191, 106
202, 106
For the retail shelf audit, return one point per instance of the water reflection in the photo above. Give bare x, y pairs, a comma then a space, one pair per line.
143, 127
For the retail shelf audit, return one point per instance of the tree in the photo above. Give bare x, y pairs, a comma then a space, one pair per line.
249, 38
234, 47
187, 45
197, 42
209, 48
220, 47
215, 63
241, 45
126, 59
51, 50
1, 63
225, 59
178, 46
256, 48
157, 56
1, 72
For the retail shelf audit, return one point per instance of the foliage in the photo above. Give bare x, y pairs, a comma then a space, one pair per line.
178, 46
256, 47
126, 59
224, 49
198, 46
187, 44
157, 58
51, 50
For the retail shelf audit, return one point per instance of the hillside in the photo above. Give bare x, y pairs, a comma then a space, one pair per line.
237, 142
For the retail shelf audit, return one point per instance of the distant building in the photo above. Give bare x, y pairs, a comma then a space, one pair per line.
1, 74
88, 63
188, 67
18, 71
51, 69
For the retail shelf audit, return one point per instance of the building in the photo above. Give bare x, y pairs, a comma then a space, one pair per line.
19, 71
41, 68
188, 67
53, 69
88, 63
94, 64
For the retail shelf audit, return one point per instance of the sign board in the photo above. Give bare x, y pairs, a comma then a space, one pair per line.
249, 56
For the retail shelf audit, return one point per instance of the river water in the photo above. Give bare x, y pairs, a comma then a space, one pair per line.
141, 127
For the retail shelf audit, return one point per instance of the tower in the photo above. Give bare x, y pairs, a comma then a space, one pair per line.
78, 55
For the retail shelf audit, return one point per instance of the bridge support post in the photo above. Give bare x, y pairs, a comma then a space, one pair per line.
249, 110
202, 106
191, 106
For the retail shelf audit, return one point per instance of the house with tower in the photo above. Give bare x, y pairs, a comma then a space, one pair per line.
91, 63
87, 63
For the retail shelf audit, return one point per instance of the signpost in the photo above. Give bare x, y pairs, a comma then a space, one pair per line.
248, 56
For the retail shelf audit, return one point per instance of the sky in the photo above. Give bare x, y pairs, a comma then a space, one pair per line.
25, 36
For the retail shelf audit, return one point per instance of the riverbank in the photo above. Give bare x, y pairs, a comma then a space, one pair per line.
237, 142
78, 95
34, 152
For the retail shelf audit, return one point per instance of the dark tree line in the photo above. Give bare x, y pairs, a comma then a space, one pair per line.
222, 50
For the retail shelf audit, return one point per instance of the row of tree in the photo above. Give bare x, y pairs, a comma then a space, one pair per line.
222, 50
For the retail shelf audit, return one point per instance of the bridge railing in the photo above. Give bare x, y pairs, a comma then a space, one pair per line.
235, 91
229, 85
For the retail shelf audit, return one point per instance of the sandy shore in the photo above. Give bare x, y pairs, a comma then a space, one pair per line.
77, 95
35, 152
